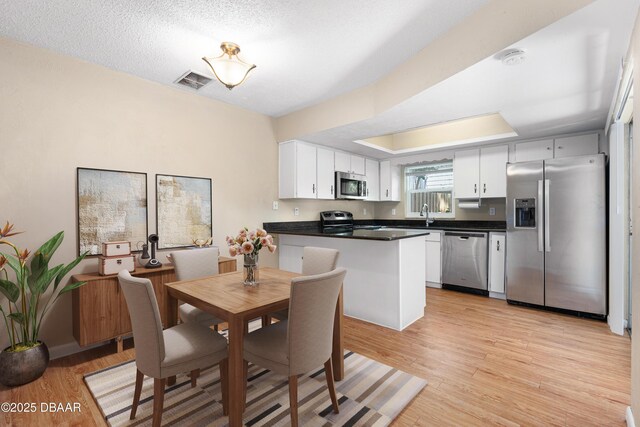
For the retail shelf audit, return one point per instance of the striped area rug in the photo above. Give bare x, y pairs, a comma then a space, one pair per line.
372, 394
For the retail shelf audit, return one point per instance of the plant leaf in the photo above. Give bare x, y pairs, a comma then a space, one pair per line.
18, 317
70, 287
10, 290
44, 280
67, 269
14, 263
50, 246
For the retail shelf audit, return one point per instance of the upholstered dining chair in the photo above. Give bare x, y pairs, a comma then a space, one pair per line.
314, 261
160, 354
304, 341
195, 264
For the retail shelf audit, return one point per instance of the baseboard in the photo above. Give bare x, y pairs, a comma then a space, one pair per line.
629, 418
434, 285
498, 295
62, 350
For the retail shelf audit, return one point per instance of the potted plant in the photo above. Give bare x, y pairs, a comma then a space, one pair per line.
27, 357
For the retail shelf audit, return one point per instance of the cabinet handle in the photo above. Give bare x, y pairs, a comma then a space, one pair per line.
498, 245
332, 189
559, 147
313, 188
367, 192
484, 187
548, 148
475, 188
387, 193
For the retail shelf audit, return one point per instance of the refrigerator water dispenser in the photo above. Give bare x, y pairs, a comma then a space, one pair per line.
525, 213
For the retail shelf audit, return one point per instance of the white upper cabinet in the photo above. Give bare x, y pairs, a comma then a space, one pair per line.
389, 182
305, 171
299, 176
534, 150
576, 145
466, 174
480, 172
567, 146
350, 163
493, 171
357, 165
325, 174
372, 172
343, 162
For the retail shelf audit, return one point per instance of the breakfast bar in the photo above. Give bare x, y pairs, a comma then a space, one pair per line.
385, 283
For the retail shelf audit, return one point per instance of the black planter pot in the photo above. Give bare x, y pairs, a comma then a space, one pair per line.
21, 367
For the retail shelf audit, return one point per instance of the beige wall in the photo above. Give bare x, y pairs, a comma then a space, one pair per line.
635, 264
58, 113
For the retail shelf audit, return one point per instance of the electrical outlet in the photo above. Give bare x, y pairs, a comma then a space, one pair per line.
275, 205
364, 211
296, 211
393, 211
492, 211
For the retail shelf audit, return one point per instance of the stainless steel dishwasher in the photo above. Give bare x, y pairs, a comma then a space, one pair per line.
465, 259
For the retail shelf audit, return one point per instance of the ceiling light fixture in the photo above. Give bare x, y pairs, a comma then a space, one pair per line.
228, 68
512, 56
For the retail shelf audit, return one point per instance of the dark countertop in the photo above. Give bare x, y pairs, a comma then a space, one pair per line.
402, 229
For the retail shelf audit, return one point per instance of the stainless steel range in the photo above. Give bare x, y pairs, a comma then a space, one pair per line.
340, 222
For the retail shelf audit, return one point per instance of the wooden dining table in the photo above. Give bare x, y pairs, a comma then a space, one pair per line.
225, 297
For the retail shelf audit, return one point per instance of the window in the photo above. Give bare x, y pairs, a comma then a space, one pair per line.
431, 184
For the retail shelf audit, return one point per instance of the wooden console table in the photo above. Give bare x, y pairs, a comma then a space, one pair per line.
100, 311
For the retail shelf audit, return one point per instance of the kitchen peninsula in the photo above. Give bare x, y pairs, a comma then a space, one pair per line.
385, 282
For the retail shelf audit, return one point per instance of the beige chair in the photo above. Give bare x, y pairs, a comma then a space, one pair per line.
195, 264
314, 261
161, 354
304, 341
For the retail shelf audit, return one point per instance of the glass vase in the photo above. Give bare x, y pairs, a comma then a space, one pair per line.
250, 270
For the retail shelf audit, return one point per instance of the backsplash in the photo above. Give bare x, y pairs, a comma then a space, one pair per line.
383, 210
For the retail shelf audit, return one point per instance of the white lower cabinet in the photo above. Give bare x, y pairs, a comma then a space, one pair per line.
433, 257
496, 264
290, 258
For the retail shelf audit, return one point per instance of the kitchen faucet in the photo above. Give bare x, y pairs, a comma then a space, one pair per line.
425, 210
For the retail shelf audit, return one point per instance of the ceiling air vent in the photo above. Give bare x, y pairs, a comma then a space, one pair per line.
193, 80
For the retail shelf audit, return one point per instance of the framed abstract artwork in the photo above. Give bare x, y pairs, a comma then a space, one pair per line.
183, 210
112, 206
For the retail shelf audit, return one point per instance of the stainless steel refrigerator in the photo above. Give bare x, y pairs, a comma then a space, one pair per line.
556, 234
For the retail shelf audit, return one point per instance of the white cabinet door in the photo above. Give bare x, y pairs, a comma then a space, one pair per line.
576, 145
326, 175
372, 169
305, 171
287, 170
389, 182
466, 174
342, 162
433, 260
357, 165
290, 258
496, 262
534, 150
493, 171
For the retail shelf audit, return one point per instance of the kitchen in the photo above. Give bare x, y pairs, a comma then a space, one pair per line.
465, 94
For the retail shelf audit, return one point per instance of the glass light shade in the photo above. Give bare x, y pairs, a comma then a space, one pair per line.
228, 68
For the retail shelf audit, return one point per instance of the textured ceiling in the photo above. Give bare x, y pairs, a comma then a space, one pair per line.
306, 51
566, 84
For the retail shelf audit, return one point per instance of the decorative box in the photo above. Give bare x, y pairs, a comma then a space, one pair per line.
114, 264
116, 248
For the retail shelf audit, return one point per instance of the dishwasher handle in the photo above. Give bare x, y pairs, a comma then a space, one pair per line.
465, 236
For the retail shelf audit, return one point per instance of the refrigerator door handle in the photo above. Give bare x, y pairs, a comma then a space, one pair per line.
540, 236
547, 232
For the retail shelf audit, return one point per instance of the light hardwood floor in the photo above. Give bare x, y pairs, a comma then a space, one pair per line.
487, 363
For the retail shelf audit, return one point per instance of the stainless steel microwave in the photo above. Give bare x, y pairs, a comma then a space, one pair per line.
351, 186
